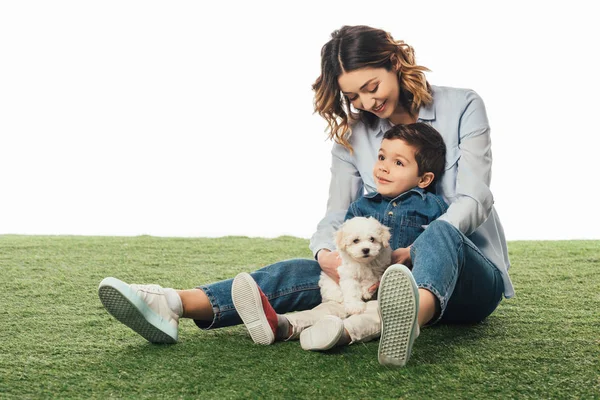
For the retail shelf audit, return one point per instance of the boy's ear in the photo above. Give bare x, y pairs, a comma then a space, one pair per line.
385, 235
426, 180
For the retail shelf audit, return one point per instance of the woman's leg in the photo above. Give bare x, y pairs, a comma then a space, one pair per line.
154, 312
291, 285
196, 305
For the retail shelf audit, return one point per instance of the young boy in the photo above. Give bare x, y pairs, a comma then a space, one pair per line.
411, 161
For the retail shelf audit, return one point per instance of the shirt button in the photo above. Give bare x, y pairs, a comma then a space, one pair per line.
390, 213
394, 204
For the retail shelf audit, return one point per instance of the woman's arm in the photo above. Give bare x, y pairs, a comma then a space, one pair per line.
473, 199
345, 187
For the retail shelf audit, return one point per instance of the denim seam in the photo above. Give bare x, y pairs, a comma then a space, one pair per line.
483, 256
293, 290
452, 278
441, 299
213, 303
428, 286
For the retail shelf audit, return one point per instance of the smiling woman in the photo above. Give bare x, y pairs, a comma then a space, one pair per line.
368, 71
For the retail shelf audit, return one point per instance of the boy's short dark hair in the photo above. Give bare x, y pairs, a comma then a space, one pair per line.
430, 149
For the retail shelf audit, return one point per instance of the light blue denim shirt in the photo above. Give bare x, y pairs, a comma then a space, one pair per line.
460, 117
407, 215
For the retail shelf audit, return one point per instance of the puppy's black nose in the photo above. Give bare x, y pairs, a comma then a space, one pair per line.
365, 251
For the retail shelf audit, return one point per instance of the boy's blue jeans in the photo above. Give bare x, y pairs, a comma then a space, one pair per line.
445, 262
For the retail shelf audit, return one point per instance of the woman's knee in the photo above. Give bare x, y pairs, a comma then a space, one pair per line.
440, 228
439, 237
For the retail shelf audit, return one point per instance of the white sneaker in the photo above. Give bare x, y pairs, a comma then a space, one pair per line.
398, 307
143, 308
254, 309
323, 335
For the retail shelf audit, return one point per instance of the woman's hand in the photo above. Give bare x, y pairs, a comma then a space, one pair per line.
402, 256
329, 261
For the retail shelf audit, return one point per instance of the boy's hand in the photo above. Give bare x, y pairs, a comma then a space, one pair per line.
402, 256
329, 261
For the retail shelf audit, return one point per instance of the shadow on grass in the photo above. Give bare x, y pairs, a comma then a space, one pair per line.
230, 351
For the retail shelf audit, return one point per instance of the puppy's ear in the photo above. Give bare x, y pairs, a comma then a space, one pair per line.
339, 239
385, 235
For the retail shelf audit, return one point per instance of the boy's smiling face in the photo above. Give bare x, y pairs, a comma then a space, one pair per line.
396, 169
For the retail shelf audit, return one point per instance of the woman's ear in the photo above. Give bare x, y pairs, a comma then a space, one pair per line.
385, 235
426, 180
395, 62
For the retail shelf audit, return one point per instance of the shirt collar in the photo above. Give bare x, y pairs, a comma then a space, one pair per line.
378, 196
384, 125
426, 113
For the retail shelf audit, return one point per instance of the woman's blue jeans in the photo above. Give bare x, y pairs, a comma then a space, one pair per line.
445, 262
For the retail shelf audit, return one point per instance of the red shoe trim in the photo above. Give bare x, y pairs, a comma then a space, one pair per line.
269, 311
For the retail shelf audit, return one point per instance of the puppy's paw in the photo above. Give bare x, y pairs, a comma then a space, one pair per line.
355, 307
337, 297
369, 292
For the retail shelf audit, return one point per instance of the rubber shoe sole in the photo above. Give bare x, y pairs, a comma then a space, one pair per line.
398, 306
247, 302
122, 302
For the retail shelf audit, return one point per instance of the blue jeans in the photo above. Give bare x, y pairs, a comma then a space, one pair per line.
467, 285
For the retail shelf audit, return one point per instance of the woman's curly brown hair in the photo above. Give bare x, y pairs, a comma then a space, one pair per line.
355, 47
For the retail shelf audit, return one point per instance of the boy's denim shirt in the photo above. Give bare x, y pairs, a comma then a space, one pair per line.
407, 215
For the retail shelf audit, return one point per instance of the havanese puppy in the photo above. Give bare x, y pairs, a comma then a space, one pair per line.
363, 244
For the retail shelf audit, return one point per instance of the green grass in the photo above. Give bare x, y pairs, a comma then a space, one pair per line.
56, 340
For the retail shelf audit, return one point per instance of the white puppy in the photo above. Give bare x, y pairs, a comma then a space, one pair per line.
363, 244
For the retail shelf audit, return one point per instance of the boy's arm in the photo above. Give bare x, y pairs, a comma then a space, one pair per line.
438, 207
434, 207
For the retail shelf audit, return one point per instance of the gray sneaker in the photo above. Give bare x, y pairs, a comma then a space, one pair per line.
143, 308
398, 308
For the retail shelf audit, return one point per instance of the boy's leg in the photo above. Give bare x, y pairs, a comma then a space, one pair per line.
365, 326
333, 331
398, 299
456, 283
463, 282
299, 321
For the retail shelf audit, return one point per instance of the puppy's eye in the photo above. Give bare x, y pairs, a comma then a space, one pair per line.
372, 239
355, 241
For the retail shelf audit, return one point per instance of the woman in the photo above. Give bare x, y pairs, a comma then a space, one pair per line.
368, 83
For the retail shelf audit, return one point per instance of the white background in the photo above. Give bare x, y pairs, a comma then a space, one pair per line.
196, 119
